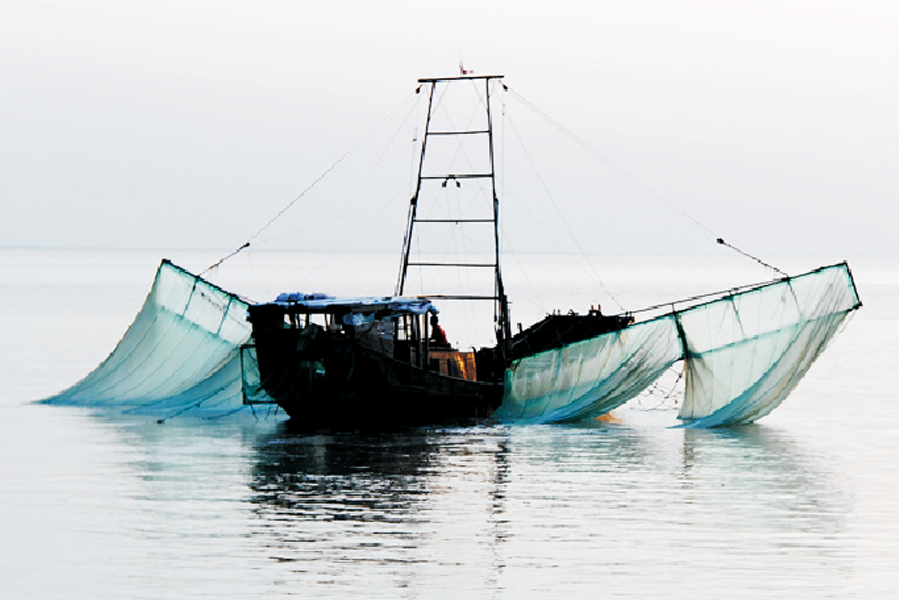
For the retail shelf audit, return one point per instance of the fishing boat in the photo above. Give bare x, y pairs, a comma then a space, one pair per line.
369, 361
385, 360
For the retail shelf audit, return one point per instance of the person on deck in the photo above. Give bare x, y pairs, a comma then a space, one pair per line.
438, 336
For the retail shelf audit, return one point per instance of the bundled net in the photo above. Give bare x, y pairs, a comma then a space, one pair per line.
184, 354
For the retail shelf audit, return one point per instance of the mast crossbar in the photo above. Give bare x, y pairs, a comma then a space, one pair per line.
473, 132
454, 220
435, 264
461, 78
460, 176
461, 297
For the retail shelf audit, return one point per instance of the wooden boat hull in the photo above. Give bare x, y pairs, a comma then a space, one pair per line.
330, 381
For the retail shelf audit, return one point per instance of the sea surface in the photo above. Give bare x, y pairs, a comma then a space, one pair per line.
803, 504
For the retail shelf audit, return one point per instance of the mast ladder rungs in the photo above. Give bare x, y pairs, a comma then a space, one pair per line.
427, 264
471, 132
454, 221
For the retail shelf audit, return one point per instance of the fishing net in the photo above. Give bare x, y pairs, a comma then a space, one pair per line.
589, 378
743, 355
182, 355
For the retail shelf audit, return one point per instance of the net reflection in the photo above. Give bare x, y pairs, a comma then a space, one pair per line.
580, 504
763, 465
773, 498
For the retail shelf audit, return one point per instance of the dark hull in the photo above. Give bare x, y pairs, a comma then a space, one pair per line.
337, 383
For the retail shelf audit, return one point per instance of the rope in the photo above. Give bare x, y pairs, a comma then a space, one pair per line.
722, 242
572, 235
634, 180
656, 389
314, 183
223, 259
722, 293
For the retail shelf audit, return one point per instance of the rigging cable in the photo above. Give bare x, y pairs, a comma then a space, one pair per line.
353, 198
313, 184
656, 389
634, 180
722, 242
572, 236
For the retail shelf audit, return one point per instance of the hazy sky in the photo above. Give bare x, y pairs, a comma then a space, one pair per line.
189, 124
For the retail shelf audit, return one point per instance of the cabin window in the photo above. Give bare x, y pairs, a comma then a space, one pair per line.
404, 329
300, 321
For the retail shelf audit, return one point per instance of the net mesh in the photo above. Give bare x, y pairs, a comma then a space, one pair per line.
743, 355
746, 353
182, 355
589, 378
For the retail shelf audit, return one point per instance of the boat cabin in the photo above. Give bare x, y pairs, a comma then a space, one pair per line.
404, 328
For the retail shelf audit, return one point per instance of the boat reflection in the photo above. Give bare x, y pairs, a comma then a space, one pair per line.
341, 475
326, 499
487, 508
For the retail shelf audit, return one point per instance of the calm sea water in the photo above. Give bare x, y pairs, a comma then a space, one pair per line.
803, 504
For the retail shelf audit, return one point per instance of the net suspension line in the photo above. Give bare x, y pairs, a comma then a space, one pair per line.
637, 182
318, 179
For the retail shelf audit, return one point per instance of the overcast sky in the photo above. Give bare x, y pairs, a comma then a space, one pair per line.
189, 124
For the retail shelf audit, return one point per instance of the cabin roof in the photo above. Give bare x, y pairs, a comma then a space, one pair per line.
320, 303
